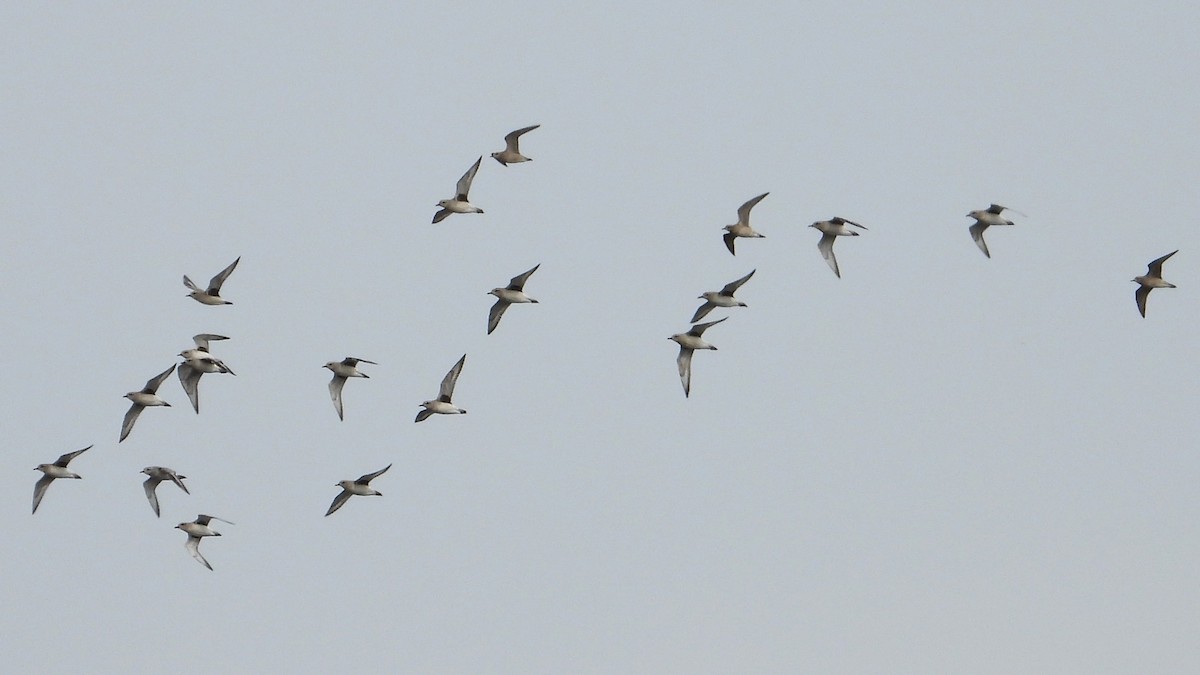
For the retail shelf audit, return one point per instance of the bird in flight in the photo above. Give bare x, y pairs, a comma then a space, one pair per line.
830, 230
513, 293
52, 471
721, 298
442, 405
511, 154
346, 368
211, 295
459, 204
361, 486
1151, 280
689, 342
147, 397
742, 227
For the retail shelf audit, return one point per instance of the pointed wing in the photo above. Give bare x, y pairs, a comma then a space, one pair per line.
189, 377
1140, 295
518, 282
446, 391
826, 248
335, 393
178, 480
702, 311
203, 339
339, 500
155, 382
699, 328
495, 313
353, 362
214, 286
203, 519
977, 234
193, 547
368, 477
510, 140
39, 490
841, 220
130, 418
423, 415
65, 459
441, 215
464, 183
744, 209
1154, 269
729, 237
995, 209
731, 287
149, 486
191, 284
685, 369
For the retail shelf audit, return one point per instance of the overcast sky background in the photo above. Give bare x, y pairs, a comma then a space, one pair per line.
938, 463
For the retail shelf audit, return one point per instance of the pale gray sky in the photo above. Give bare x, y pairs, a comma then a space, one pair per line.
938, 463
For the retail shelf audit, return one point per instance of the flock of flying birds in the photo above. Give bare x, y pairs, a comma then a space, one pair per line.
199, 360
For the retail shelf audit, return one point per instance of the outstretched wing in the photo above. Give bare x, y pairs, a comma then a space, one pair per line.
423, 415
65, 459
189, 377
1154, 269
702, 311
518, 282
826, 248
155, 382
368, 477
1140, 295
495, 313
203, 339
685, 369
193, 547
464, 183
191, 285
446, 391
335, 393
511, 139
744, 209
39, 490
130, 418
699, 328
339, 500
214, 285
729, 237
149, 486
731, 287
977, 234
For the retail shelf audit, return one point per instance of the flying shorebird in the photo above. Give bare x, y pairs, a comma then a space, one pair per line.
689, 342
198, 361
721, 298
442, 405
158, 474
742, 227
143, 399
197, 529
514, 293
343, 369
985, 218
831, 230
460, 204
1151, 280
211, 296
356, 487
511, 154
52, 471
